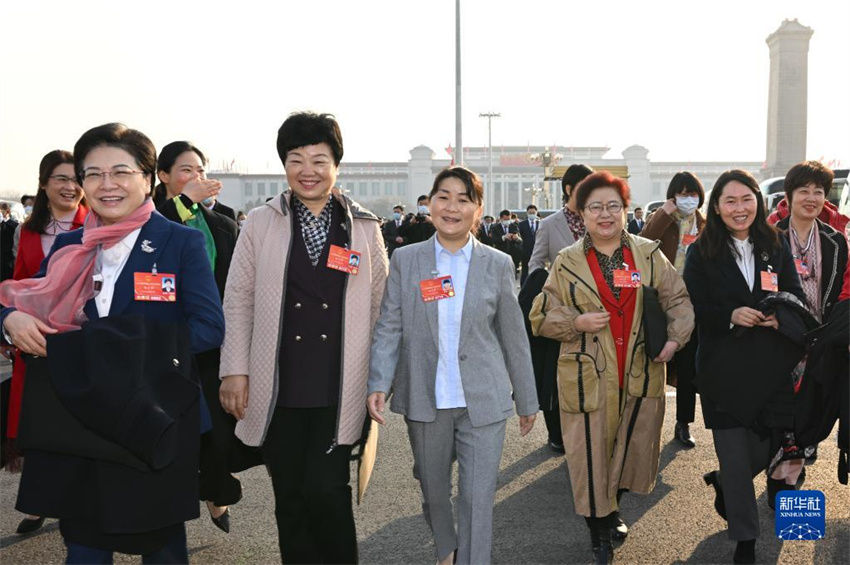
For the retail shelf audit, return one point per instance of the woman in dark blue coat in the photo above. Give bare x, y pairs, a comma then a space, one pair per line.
127, 263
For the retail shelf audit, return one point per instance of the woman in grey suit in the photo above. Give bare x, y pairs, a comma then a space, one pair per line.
451, 354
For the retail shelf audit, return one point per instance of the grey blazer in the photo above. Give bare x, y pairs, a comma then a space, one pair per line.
553, 234
493, 352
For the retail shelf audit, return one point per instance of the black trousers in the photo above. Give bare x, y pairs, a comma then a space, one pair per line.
686, 393
553, 424
315, 522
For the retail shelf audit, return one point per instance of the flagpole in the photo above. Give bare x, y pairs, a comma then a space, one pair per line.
458, 136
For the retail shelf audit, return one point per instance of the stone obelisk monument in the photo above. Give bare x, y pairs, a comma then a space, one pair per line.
787, 97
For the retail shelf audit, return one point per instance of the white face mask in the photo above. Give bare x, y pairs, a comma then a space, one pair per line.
422, 209
506, 223
687, 204
396, 216
532, 217
27, 210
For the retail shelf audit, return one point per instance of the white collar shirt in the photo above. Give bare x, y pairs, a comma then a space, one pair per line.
448, 385
745, 259
113, 261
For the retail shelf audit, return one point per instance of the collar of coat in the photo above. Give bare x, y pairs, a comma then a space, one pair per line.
282, 205
645, 253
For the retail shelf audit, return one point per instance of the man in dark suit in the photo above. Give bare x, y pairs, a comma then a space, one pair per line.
485, 231
528, 233
391, 230
419, 227
636, 225
8, 224
506, 237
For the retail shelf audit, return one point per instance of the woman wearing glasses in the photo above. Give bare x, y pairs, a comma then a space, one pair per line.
611, 393
58, 208
128, 480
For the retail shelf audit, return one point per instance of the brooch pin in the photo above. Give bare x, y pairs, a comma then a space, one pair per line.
146, 246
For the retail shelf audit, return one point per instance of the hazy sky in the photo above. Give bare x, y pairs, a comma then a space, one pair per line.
688, 80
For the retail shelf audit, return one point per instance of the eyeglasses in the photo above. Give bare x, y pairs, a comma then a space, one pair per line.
121, 176
596, 208
63, 179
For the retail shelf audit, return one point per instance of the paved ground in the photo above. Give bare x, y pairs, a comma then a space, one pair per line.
534, 521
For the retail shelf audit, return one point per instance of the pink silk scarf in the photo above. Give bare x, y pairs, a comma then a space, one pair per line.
59, 297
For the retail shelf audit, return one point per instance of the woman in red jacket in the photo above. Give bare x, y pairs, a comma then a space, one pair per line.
59, 207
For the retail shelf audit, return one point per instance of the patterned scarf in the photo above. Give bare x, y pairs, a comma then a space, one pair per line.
575, 223
314, 230
609, 264
687, 226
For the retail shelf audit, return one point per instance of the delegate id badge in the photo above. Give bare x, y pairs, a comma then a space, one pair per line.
626, 278
344, 260
769, 281
437, 288
802, 267
688, 239
155, 287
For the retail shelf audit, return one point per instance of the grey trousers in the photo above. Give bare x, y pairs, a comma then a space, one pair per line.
742, 456
478, 451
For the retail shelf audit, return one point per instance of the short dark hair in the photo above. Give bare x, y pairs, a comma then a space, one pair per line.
40, 215
715, 237
638, 209
807, 172
529, 207
423, 197
309, 128
399, 207
601, 179
504, 213
685, 181
490, 217
120, 136
26, 197
572, 176
472, 182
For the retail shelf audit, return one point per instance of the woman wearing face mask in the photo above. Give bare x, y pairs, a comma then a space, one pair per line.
186, 197
677, 224
96, 292
611, 392
737, 261
59, 207
452, 376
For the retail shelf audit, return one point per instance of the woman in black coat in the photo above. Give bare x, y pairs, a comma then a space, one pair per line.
738, 260
185, 196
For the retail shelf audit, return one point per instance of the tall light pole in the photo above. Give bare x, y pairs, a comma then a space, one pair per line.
548, 159
489, 116
458, 136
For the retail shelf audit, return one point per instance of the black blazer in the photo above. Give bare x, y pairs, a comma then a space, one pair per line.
528, 236
224, 210
224, 231
390, 231
717, 287
833, 247
512, 248
484, 237
634, 228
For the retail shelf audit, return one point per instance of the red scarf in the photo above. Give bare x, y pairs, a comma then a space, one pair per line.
58, 299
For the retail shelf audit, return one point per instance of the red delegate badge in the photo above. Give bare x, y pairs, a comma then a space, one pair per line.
769, 281
437, 289
155, 287
624, 278
344, 260
802, 267
688, 239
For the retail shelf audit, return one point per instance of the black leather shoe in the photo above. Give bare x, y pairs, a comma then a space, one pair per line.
603, 553
557, 446
801, 479
745, 552
29, 525
619, 529
683, 435
774, 486
811, 454
711, 479
222, 522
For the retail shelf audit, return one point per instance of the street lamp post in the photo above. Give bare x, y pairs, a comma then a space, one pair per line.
458, 119
489, 116
548, 159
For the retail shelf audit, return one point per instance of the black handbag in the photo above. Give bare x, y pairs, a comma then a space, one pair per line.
654, 323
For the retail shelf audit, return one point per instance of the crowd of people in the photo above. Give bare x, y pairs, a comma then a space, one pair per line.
167, 342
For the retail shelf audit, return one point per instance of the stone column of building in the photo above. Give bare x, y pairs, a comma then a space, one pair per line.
787, 97
419, 171
640, 181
